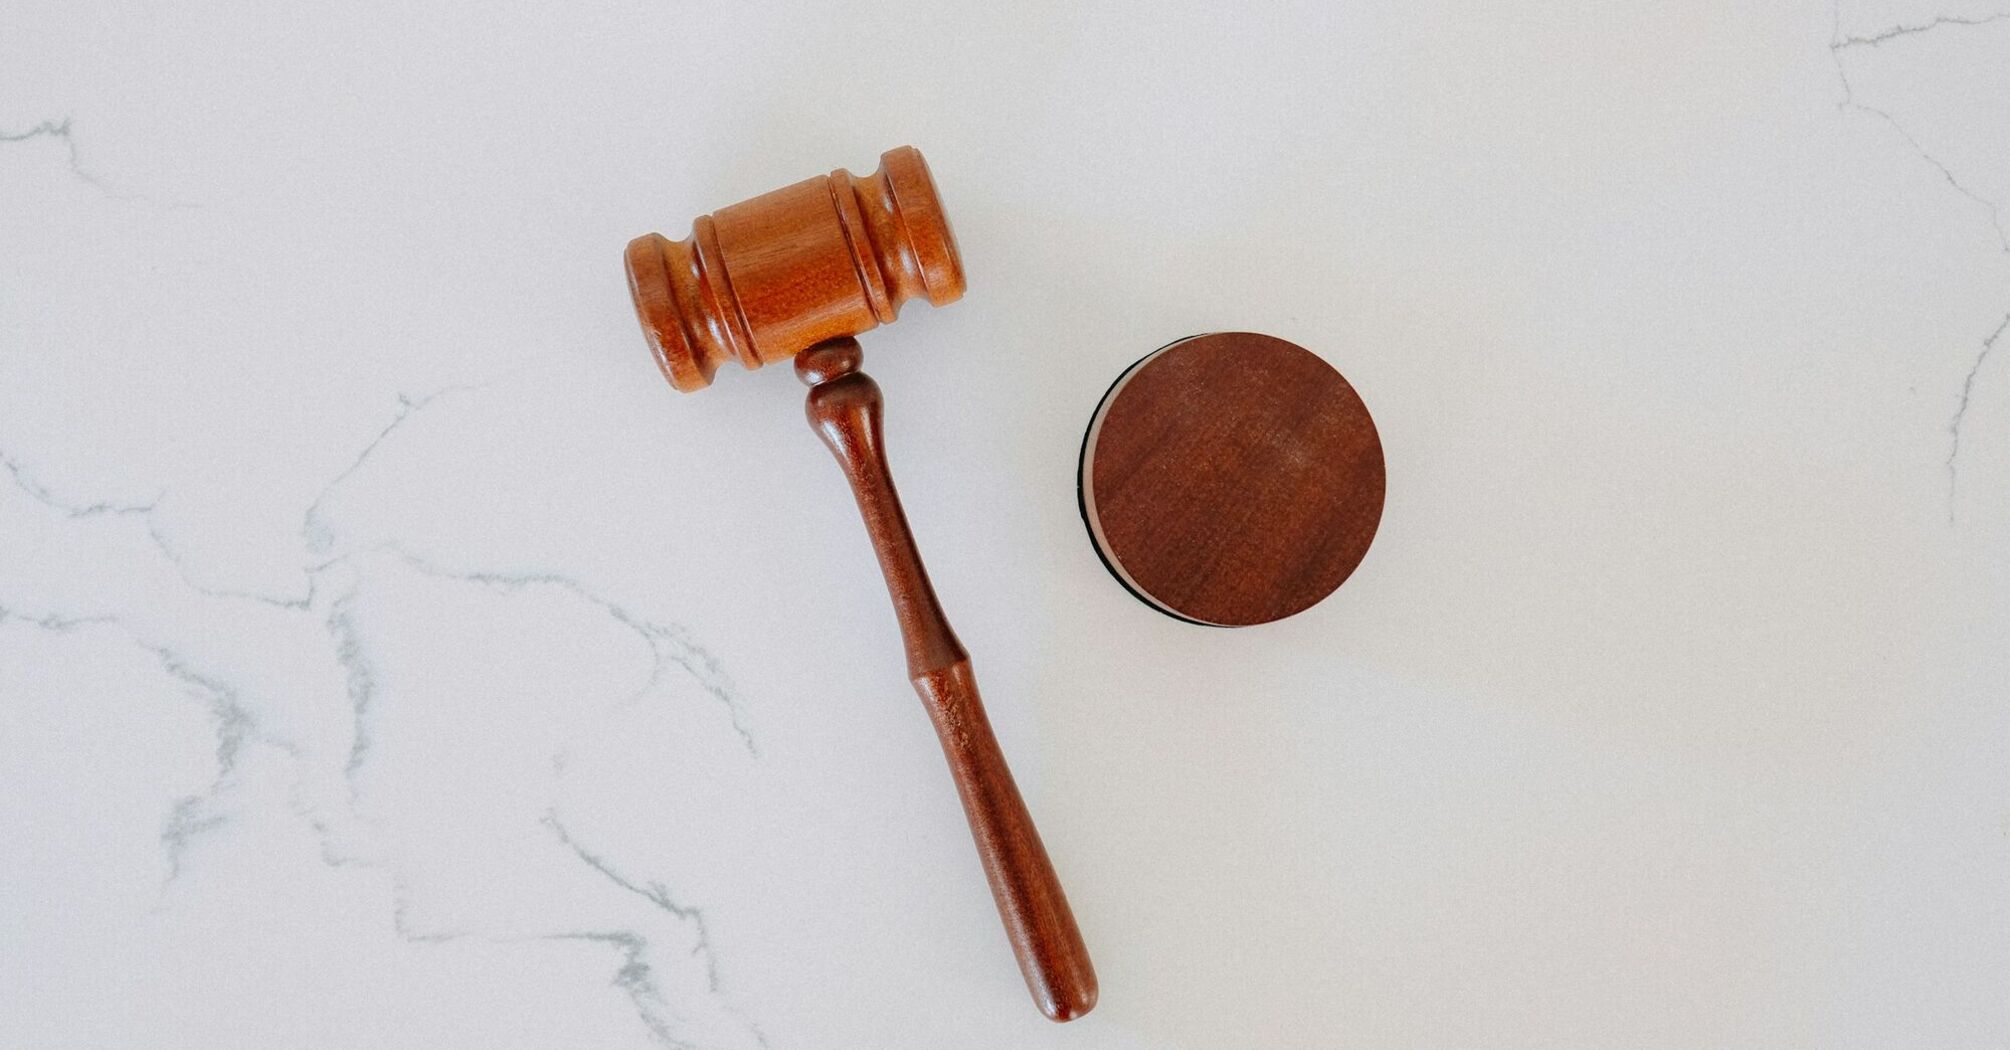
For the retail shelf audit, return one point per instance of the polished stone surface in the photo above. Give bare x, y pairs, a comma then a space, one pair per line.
391, 659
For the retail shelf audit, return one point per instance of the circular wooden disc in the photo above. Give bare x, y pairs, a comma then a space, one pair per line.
1231, 479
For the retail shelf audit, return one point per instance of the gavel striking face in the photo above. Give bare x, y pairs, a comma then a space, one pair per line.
797, 273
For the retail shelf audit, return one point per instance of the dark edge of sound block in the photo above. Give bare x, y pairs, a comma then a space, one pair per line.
1082, 497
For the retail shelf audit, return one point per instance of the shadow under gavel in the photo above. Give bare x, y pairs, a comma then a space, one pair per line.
796, 273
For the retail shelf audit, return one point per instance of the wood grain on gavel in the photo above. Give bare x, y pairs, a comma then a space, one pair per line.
796, 273
767, 278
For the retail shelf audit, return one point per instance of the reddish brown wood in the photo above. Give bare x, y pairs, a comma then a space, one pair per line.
763, 279
844, 408
797, 272
1232, 479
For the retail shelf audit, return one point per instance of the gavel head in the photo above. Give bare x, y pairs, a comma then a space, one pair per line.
768, 278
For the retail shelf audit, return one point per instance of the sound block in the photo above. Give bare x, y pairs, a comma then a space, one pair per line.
1231, 479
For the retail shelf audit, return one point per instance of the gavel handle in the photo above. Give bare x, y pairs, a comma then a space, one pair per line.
844, 409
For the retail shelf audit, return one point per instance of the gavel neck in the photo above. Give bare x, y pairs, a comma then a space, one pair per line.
844, 408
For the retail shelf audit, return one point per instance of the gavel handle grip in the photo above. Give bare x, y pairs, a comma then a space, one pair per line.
844, 408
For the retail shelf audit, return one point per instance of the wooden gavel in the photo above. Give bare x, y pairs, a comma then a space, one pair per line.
797, 273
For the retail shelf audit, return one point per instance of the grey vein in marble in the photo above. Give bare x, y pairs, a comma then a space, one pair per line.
51, 622
232, 724
668, 643
189, 818
60, 129
401, 911
359, 677
25, 480
313, 528
35, 489
1838, 43
635, 977
655, 893
1877, 39
637, 980
1961, 411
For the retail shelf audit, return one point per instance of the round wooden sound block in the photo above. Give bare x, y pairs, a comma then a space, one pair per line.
1231, 479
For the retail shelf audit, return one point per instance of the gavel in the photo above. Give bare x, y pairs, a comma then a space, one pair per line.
797, 273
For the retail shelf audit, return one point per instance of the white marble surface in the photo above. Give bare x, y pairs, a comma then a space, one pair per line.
390, 659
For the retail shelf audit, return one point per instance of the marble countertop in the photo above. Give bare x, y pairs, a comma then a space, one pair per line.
389, 658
